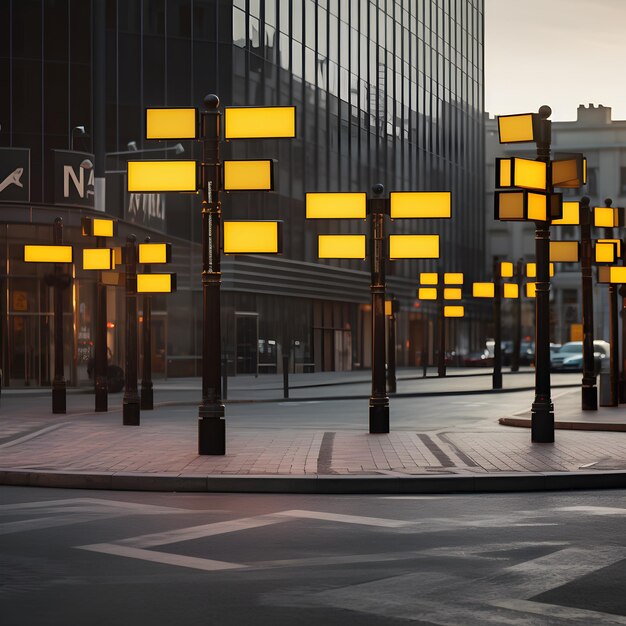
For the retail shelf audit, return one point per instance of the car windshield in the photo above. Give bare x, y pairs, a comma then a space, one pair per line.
571, 348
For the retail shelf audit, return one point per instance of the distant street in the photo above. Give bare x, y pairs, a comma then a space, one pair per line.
79, 557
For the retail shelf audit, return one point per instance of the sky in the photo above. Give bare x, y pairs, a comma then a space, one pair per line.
556, 52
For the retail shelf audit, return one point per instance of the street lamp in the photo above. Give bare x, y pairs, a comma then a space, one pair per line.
77, 131
187, 123
399, 205
58, 254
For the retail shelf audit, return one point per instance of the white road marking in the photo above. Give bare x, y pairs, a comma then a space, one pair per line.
570, 615
593, 510
37, 433
166, 558
345, 519
90, 504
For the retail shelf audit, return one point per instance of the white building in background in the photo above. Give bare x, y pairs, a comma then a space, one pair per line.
603, 141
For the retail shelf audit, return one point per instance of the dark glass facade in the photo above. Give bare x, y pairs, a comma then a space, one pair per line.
386, 91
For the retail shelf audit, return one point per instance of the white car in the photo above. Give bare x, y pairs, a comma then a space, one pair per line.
569, 356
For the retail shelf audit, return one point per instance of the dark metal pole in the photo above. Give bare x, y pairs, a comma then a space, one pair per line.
391, 349
622, 382
441, 327
131, 403
100, 343
147, 395
542, 411
425, 356
589, 391
517, 332
225, 378
379, 401
285, 375
211, 423
614, 330
60, 281
497, 322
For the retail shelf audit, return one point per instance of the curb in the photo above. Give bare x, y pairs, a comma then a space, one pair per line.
484, 483
521, 422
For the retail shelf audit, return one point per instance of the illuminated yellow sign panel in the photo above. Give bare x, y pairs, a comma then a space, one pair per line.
510, 206
564, 251
98, 227
483, 290
452, 293
530, 174
388, 308
98, 259
537, 207
413, 246
429, 278
504, 174
427, 293
260, 237
615, 274
571, 214
606, 217
248, 175
511, 290
531, 290
341, 246
506, 269
176, 123
605, 252
155, 253
336, 205
531, 270
419, 204
516, 128
47, 254
156, 176
453, 278
156, 283
616, 242
454, 311
259, 122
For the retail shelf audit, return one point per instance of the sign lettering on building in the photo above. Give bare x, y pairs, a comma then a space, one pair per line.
14, 175
74, 178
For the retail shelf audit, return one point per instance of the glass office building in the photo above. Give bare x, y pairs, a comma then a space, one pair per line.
387, 91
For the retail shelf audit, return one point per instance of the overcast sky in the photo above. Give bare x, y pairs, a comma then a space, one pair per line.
557, 52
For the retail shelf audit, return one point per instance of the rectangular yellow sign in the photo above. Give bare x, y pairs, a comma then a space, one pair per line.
483, 290
155, 252
529, 174
156, 283
156, 176
531, 290
420, 204
427, 293
605, 252
47, 254
174, 123
413, 246
605, 217
429, 278
453, 278
564, 251
248, 175
506, 269
452, 293
510, 205
98, 259
612, 274
510, 290
242, 237
341, 246
571, 215
531, 270
516, 128
454, 311
259, 122
336, 205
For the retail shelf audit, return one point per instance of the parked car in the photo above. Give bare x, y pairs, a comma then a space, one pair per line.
569, 357
478, 359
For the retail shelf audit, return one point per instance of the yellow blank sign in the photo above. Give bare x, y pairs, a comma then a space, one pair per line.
605, 252
531, 290
531, 270
176, 123
241, 237
564, 251
248, 175
606, 217
452, 293
612, 274
506, 269
427, 293
516, 128
98, 259
341, 246
429, 278
155, 176
155, 253
453, 278
156, 283
511, 290
571, 214
483, 290
419, 204
259, 122
530, 174
413, 246
336, 205
47, 254
454, 311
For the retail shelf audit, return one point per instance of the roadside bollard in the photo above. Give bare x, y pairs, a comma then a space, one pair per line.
285, 375
224, 378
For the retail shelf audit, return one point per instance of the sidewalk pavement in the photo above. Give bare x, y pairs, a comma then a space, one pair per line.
94, 450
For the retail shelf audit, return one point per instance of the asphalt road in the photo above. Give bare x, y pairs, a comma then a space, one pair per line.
80, 557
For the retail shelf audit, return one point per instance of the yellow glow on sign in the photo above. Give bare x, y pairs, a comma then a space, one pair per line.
605, 252
171, 123
612, 274
420, 204
413, 246
506, 269
503, 168
388, 307
483, 290
531, 290
259, 122
248, 175
584, 171
98, 259
452, 293
616, 242
427, 293
530, 174
531, 270
98, 227
571, 214
454, 311
569, 173
537, 207
429, 278
516, 128
47, 254
605, 217
341, 246
155, 176
453, 278
510, 206
259, 237
511, 290
564, 251
336, 205
156, 283
155, 253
